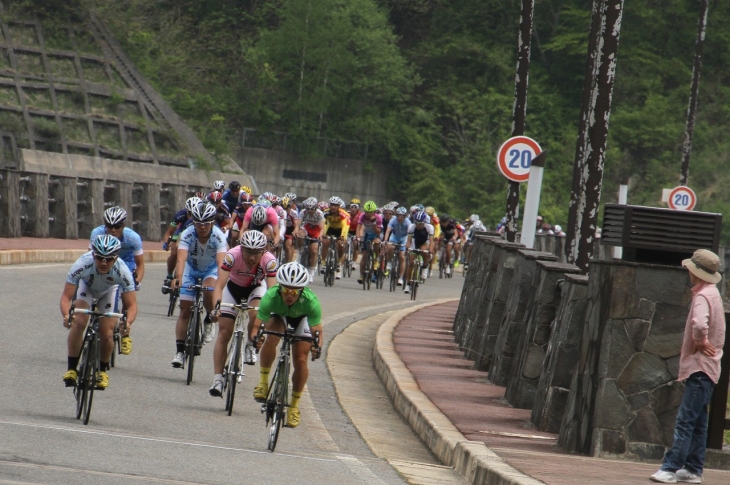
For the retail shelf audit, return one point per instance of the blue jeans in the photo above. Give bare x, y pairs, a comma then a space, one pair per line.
690, 430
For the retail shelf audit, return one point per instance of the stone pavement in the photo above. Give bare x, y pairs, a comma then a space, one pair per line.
424, 341
25, 250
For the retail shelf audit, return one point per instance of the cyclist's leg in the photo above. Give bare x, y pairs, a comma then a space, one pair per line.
225, 330
172, 259
402, 257
186, 302
288, 248
447, 252
267, 354
107, 302
325, 244
75, 337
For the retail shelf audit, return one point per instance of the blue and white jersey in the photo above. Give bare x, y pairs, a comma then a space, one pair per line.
202, 256
131, 245
181, 227
397, 229
85, 270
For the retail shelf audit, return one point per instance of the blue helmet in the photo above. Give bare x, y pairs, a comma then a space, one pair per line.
106, 245
420, 216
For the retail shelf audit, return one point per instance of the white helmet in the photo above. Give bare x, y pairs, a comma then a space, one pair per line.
254, 240
293, 275
192, 202
334, 200
219, 185
473, 217
204, 212
310, 203
258, 215
115, 215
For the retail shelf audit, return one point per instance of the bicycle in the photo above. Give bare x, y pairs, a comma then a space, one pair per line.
395, 266
304, 252
349, 256
277, 399
330, 265
194, 336
89, 360
366, 263
117, 343
233, 371
416, 271
442, 261
174, 296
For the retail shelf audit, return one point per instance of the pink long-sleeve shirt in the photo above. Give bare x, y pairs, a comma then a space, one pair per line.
705, 322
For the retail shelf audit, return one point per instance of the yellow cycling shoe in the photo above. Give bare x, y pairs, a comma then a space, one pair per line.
70, 377
260, 392
293, 417
126, 345
102, 380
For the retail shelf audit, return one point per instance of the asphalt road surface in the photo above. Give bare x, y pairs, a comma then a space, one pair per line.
148, 426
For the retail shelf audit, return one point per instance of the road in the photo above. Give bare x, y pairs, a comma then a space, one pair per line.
148, 426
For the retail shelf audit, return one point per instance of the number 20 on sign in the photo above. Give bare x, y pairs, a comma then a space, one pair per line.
515, 156
682, 198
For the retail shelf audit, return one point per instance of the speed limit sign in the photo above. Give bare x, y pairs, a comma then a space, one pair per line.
682, 199
515, 156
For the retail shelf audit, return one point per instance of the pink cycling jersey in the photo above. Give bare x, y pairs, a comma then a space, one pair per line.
241, 274
271, 217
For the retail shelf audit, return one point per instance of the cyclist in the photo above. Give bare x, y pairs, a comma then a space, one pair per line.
420, 236
311, 224
222, 213
219, 186
182, 220
96, 275
450, 240
238, 214
436, 223
248, 270
337, 224
200, 254
370, 228
232, 196
292, 304
355, 212
397, 233
292, 216
115, 219
262, 217
281, 212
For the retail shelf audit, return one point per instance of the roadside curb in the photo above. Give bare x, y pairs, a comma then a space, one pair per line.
37, 256
472, 459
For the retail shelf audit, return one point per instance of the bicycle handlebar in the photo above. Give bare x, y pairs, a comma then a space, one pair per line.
237, 306
288, 333
86, 311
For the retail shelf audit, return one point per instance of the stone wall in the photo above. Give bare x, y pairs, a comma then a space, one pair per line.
624, 395
532, 346
561, 355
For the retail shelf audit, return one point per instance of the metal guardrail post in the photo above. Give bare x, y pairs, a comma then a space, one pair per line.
718, 422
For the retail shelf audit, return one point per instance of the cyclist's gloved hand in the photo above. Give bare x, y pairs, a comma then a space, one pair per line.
137, 286
165, 246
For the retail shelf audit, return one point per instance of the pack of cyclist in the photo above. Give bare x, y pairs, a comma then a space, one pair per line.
244, 249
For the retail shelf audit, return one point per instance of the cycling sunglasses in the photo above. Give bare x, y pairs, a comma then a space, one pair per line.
114, 226
290, 291
104, 259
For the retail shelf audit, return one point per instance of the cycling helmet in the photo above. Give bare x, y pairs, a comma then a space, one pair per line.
420, 216
379, 210
420, 207
106, 245
355, 202
285, 202
395, 204
192, 202
430, 210
264, 202
293, 275
310, 203
254, 240
215, 197
266, 195
275, 199
234, 185
323, 206
115, 215
219, 185
246, 198
204, 212
337, 201
401, 211
473, 218
414, 208
370, 206
557, 228
201, 195
258, 215
246, 189
292, 196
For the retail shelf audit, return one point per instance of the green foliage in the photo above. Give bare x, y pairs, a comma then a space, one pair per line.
429, 86
46, 128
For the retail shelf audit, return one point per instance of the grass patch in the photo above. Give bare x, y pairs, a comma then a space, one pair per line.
5, 60
57, 38
48, 147
86, 43
76, 130
38, 98
23, 34
12, 122
75, 150
107, 135
62, 67
137, 141
30, 64
46, 128
117, 80
165, 145
9, 95
71, 101
129, 111
94, 71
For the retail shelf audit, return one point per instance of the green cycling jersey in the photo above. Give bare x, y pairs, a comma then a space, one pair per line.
306, 305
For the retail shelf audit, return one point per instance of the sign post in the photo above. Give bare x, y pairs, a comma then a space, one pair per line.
515, 160
682, 198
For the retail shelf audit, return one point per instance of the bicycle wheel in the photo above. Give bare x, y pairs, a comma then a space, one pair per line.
234, 369
174, 295
81, 390
366, 269
415, 275
93, 369
192, 342
442, 265
394, 270
347, 270
274, 411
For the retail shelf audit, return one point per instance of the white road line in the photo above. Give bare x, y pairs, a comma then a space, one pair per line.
161, 440
360, 470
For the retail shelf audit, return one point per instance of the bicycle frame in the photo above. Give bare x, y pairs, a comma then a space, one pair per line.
194, 337
233, 371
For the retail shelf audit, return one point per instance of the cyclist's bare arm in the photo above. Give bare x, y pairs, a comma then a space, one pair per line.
139, 261
129, 300
387, 234
219, 285
320, 342
66, 300
182, 258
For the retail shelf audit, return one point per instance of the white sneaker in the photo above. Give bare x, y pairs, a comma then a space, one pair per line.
388, 267
663, 476
312, 273
217, 388
407, 289
424, 274
178, 360
448, 270
685, 476
249, 354
208, 337
400, 282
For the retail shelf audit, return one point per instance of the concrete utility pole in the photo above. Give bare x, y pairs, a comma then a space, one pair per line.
589, 203
519, 110
586, 109
694, 92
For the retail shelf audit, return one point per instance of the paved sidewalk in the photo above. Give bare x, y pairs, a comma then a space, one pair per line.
28, 250
424, 341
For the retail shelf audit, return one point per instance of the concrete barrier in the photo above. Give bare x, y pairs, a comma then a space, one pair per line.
37, 256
